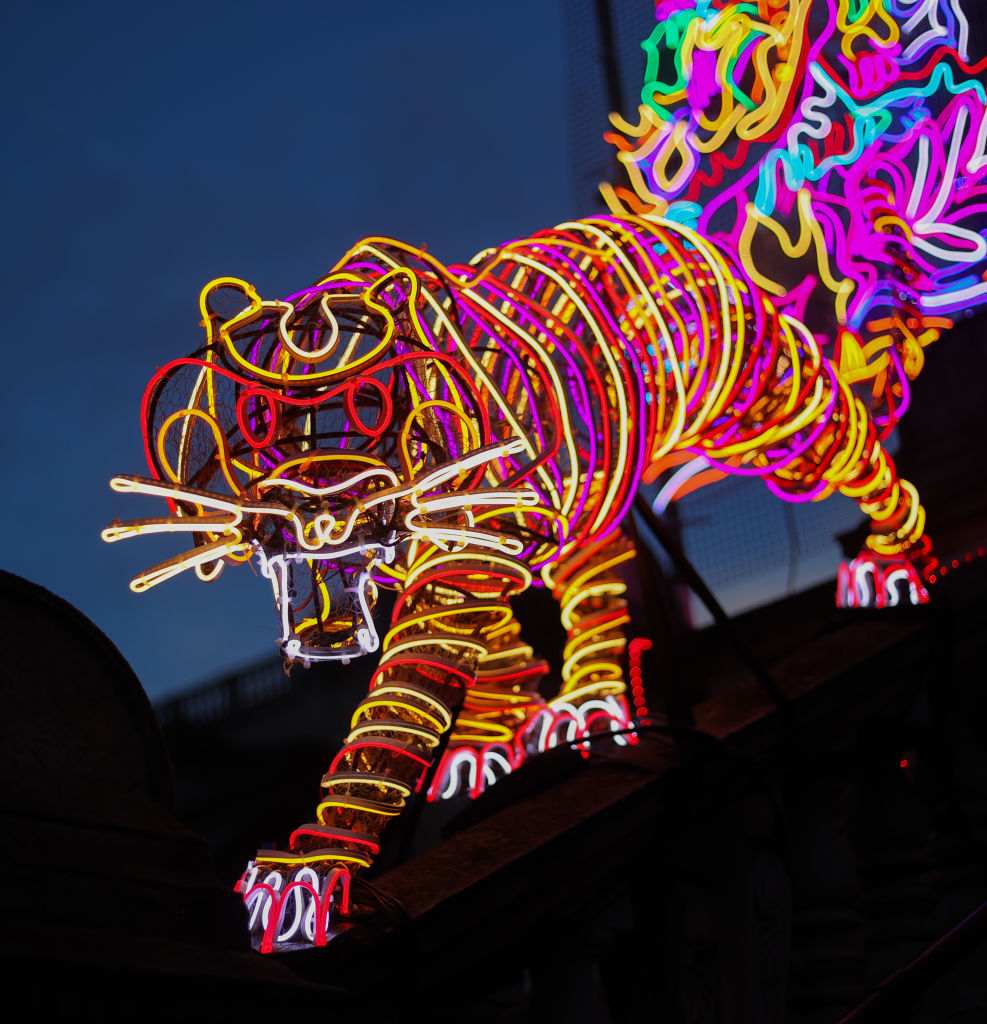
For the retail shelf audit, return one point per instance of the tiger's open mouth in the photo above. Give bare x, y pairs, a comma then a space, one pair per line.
325, 604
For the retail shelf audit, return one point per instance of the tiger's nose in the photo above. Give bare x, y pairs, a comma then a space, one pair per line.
323, 525
319, 529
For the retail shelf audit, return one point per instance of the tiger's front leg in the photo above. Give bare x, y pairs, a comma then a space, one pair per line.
590, 591
453, 617
503, 720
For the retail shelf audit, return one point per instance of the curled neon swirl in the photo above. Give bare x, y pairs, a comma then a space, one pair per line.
834, 146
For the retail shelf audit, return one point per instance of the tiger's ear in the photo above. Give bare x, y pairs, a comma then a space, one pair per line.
224, 299
396, 297
395, 292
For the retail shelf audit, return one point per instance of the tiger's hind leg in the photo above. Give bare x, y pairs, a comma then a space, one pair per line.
590, 591
897, 552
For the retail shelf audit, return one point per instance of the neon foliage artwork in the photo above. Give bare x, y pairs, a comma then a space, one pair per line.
459, 433
838, 148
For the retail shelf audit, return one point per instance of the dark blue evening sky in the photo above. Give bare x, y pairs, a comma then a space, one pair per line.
151, 148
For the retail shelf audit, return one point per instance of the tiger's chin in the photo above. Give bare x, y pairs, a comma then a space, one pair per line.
335, 640
329, 647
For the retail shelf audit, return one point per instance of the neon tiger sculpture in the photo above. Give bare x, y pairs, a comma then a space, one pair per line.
457, 433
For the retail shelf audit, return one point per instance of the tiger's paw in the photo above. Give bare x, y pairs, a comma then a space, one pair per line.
293, 903
472, 769
487, 743
570, 719
872, 580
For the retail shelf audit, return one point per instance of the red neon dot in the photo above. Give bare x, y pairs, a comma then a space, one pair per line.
932, 579
942, 571
903, 763
956, 564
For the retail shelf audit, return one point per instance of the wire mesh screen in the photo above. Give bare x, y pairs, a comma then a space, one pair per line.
736, 528
590, 98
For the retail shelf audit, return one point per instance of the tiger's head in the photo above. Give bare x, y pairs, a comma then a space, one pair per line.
323, 435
